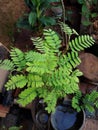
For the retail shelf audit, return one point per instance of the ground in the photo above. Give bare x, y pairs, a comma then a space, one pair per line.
10, 11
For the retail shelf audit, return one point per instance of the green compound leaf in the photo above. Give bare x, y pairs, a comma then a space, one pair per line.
27, 96
18, 81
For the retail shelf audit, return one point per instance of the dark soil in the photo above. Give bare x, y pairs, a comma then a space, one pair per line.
17, 117
10, 11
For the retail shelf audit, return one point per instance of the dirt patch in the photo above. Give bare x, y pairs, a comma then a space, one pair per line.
10, 11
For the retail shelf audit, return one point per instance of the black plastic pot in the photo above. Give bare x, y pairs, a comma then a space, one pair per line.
40, 115
66, 118
42, 118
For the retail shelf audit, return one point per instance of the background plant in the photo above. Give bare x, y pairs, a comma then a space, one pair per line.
12, 128
47, 72
88, 101
37, 17
88, 10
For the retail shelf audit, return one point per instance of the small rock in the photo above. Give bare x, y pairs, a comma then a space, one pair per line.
4, 52
89, 66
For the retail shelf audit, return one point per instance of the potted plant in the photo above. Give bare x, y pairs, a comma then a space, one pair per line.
49, 72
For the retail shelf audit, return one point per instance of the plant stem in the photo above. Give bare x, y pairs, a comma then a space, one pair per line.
63, 8
64, 35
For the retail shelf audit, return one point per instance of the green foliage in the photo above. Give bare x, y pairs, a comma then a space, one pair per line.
88, 102
11, 128
81, 42
37, 17
27, 96
42, 64
50, 44
88, 13
64, 80
91, 101
7, 65
18, 81
70, 59
18, 58
67, 29
47, 72
77, 100
15, 128
35, 81
51, 102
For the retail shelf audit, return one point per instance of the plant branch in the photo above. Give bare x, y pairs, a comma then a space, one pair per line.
63, 34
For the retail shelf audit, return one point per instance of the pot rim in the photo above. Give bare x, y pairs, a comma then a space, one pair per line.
82, 124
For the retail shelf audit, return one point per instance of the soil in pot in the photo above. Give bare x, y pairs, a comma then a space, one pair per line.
66, 118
